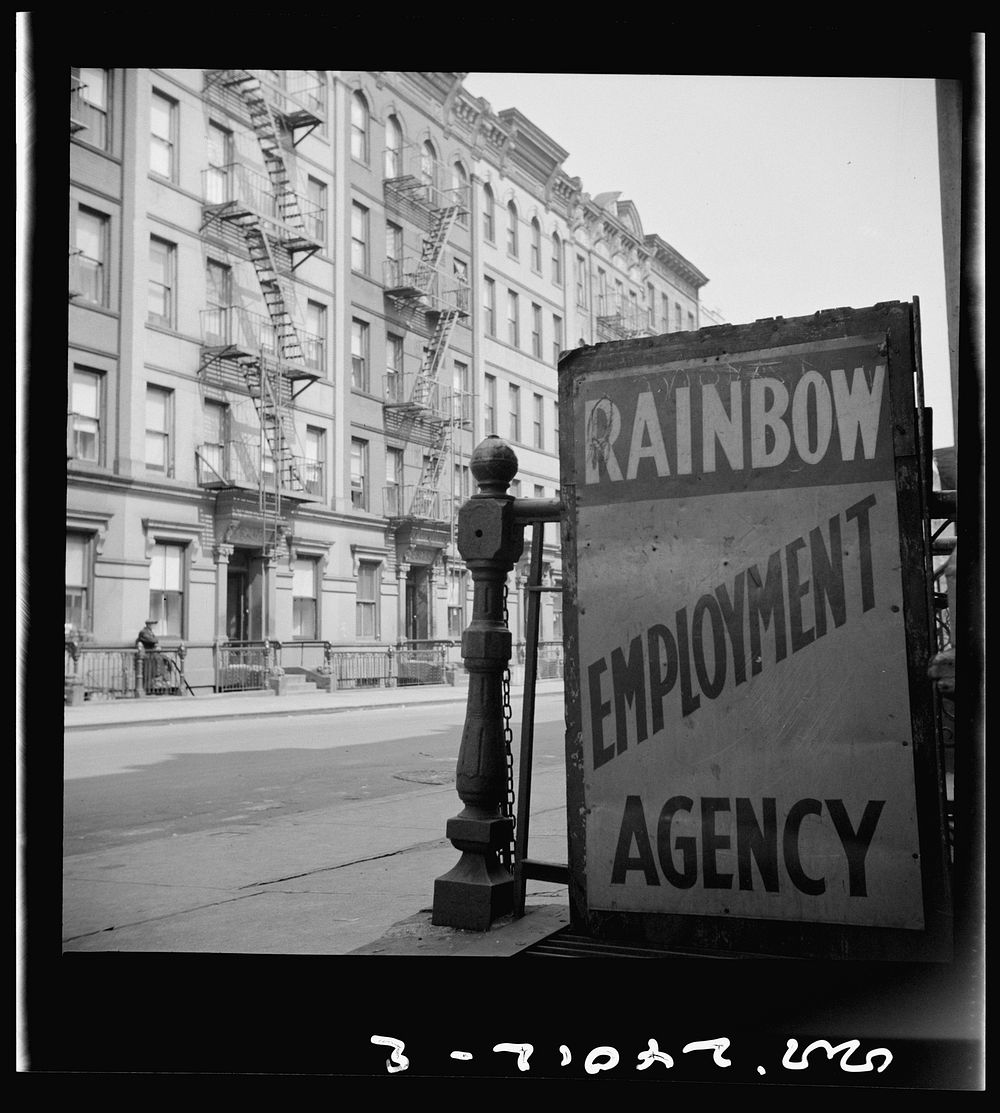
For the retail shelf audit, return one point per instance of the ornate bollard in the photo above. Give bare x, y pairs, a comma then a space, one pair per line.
140, 670
478, 890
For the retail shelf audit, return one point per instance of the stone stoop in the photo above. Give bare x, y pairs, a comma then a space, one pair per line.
294, 682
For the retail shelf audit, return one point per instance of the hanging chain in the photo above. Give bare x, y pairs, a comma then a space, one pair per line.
507, 810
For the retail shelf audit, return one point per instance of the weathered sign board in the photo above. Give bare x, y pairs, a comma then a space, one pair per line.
753, 759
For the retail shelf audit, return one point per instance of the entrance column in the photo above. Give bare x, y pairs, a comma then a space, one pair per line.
222, 553
478, 890
402, 571
269, 566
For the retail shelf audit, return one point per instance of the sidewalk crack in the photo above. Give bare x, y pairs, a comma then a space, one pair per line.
343, 865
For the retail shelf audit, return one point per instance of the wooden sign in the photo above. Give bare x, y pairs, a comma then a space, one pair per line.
753, 757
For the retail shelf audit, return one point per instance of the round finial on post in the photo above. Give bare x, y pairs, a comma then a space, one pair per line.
493, 464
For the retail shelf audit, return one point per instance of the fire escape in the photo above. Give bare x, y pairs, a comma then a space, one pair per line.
625, 322
263, 216
432, 303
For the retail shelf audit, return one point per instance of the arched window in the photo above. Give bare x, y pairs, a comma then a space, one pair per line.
393, 148
359, 128
428, 166
557, 271
489, 217
512, 229
460, 192
536, 246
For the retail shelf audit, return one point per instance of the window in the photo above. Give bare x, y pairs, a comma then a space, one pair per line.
85, 416
90, 281
393, 148
428, 169
602, 293
79, 549
490, 306
162, 262
359, 128
557, 337
536, 246
581, 281
512, 229
555, 422
393, 254
490, 404
538, 422
459, 186
166, 589
366, 607
539, 491
359, 474
218, 295
316, 210
218, 299
314, 342
159, 404
651, 306
463, 482
557, 615
536, 330
619, 306
461, 398
359, 238
213, 463
633, 309
220, 158
359, 355
304, 616
489, 215
513, 322
557, 275
678, 324
514, 397
393, 368
665, 312
89, 104
515, 488
456, 602
163, 133
690, 321
393, 482
314, 465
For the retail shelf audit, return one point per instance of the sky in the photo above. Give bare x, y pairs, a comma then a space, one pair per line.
791, 194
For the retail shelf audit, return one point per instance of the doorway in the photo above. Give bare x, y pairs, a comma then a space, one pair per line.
239, 611
418, 603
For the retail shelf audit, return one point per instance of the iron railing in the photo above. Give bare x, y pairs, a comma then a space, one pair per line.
122, 672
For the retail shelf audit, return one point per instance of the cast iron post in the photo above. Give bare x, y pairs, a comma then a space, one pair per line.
478, 890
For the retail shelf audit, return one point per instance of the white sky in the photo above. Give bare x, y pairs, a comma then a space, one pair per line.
792, 194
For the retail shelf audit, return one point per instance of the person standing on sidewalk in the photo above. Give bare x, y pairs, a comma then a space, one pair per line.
147, 640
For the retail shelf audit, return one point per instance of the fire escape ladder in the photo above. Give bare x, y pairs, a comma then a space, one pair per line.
426, 492
288, 345
264, 381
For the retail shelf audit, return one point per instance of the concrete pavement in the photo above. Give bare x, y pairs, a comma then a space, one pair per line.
355, 878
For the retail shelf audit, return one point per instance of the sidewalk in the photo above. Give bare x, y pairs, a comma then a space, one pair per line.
225, 705
348, 879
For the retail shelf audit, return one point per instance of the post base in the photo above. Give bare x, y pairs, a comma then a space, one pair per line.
474, 894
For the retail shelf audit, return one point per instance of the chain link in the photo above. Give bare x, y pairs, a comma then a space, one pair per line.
507, 852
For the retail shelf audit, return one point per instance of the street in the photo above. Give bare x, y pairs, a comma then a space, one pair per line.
163, 821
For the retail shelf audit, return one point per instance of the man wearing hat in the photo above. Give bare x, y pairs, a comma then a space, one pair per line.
146, 638
153, 666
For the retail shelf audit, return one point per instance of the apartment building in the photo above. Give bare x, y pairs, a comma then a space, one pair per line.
298, 300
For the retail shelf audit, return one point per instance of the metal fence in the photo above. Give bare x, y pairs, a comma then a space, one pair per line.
95, 672
421, 664
242, 666
120, 672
